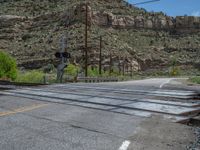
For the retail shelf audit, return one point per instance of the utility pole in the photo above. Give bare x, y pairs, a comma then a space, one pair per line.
100, 55
131, 69
110, 65
123, 66
86, 40
119, 65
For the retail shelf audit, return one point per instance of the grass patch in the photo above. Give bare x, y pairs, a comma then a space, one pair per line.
33, 76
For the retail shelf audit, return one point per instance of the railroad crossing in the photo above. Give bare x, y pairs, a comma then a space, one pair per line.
179, 106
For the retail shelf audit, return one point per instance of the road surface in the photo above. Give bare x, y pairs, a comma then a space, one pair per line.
131, 115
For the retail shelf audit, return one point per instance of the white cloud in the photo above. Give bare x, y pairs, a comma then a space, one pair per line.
196, 13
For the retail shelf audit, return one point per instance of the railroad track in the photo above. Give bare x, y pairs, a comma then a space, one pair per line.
116, 100
129, 99
182, 94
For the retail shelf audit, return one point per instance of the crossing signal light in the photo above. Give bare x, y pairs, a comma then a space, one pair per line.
62, 54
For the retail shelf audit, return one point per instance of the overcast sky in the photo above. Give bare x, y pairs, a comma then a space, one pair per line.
173, 7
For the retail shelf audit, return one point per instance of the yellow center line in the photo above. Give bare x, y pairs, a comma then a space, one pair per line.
22, 109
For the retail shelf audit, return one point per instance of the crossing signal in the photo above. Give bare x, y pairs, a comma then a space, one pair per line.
62, 55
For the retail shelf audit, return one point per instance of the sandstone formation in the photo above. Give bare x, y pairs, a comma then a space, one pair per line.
150, 21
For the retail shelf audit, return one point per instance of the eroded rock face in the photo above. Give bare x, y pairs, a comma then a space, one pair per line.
150, 22
187, 22
79, 13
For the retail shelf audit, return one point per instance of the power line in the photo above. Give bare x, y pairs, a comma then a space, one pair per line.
151, 1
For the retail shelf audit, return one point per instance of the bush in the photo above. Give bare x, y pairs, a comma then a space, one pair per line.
93, 72
195, 79
8, 66
72, 70
33, 76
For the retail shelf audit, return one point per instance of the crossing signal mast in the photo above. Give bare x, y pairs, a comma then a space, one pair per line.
63, 56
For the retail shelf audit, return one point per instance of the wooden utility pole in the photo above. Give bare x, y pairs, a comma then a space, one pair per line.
119, 65
86, 40
100, 55
123, 66
131, 69
110, 65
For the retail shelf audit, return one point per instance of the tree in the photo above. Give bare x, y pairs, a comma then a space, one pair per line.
8, 66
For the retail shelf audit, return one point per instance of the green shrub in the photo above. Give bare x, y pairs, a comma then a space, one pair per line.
195, 79
33, 76
93, 72
8, 66
72, 70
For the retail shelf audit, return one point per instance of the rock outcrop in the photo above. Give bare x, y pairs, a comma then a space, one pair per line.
148, 21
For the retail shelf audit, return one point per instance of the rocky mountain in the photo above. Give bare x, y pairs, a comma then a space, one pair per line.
30, 30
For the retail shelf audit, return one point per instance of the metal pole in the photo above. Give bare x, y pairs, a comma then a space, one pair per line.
100, 55
86, 40
63, 46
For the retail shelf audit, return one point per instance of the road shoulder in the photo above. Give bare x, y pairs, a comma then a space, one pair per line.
158, 134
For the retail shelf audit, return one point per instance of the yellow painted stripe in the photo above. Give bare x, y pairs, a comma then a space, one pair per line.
22, 109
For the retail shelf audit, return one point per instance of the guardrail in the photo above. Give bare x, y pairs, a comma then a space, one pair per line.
46, 81
96, 79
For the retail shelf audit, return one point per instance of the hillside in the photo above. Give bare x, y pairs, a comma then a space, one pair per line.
30, 30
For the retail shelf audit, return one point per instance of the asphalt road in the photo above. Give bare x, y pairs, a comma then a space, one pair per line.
29, 121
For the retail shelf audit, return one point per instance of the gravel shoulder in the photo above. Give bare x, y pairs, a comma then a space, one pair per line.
158, 134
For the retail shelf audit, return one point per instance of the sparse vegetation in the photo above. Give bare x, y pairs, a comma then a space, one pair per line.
174, 70
33, 76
